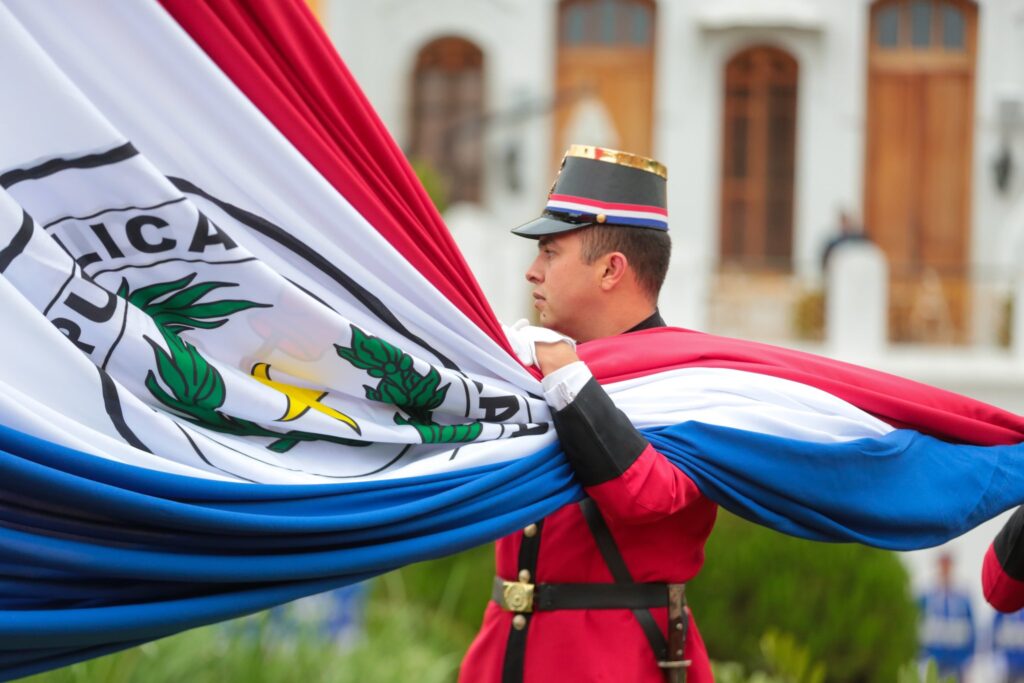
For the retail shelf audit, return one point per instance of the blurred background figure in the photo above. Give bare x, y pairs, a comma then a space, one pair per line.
848, 230
1008, 644
947, 631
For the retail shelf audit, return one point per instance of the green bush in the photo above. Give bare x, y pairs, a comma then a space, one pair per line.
458, 586
787, 661
849, 605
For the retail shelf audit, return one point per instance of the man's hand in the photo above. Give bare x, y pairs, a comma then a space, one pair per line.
526, 340
552, 356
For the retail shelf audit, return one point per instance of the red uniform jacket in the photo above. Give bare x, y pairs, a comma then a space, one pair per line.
658, 519
1002, 574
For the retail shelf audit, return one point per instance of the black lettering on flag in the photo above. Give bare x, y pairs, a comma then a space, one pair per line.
133, 228
208, 234
18, 243
73, 332
101, 231
88, 259
499, 408
525, 430
97, 314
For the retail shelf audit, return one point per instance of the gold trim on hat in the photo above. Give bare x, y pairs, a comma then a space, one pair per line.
617, 157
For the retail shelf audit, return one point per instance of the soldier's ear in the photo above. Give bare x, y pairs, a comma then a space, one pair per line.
616, 265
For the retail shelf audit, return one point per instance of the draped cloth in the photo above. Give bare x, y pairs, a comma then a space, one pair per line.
244, 361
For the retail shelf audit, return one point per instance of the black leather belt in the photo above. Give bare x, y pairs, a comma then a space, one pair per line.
516, 596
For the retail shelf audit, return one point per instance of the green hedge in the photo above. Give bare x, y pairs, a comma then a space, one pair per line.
850, 606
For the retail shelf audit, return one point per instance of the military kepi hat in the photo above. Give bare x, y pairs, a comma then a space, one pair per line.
599, 186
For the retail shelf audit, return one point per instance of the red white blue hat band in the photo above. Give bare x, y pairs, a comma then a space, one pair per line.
604, 187
614, 213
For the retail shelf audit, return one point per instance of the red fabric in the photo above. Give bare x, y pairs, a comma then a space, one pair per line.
900, 402
660, 522
278, 55
1002, 591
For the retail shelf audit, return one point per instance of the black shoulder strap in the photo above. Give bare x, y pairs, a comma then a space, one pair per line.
617, 565
513, 667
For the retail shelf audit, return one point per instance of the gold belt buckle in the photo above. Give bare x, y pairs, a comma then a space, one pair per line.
518, 596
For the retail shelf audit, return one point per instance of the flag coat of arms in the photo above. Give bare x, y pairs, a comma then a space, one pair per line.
243, 360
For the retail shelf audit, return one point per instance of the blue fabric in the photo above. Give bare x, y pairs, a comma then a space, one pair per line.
96, 556
903, 491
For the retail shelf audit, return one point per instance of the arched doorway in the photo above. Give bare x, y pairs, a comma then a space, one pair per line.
758, 159
606, 59
448, 113
917, 175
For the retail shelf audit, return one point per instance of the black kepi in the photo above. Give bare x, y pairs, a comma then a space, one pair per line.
600, 186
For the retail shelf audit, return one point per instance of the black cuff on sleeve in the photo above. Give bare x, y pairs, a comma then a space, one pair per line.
1009, 546
598, 438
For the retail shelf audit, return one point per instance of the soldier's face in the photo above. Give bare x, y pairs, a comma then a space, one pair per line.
566, 290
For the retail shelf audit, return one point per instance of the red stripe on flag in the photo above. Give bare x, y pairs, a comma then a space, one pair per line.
900, 402
276, 52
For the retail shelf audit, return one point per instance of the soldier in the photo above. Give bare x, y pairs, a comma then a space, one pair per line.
594, 591
947, 623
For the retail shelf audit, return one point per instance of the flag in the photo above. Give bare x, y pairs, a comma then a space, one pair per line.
243, 360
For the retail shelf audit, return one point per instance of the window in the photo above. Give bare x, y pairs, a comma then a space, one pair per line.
759, 159
920, 25
607, 22
447, 115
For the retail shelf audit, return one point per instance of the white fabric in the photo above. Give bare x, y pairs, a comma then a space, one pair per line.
148, 322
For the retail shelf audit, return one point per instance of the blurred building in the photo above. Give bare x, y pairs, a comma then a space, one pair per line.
772, 116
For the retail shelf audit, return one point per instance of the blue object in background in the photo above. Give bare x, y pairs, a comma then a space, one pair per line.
1008, 642
947, 631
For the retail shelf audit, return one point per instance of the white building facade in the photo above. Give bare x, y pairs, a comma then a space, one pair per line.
772, 116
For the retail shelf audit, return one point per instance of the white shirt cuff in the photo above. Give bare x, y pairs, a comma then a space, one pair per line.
562, 385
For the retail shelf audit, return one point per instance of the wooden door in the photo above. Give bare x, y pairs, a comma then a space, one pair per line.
918, 165
758, 160
606, 51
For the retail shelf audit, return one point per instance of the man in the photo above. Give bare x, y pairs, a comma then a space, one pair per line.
947, 624
594, 592
1008, 643
849, 231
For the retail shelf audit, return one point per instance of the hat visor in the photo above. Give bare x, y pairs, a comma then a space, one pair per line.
546, 225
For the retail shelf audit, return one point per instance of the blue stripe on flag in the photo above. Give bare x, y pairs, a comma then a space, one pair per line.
105, 555
901, 491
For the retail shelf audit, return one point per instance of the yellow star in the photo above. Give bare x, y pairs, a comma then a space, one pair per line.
300, 399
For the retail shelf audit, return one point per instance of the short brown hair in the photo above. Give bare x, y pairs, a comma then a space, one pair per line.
648, 251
